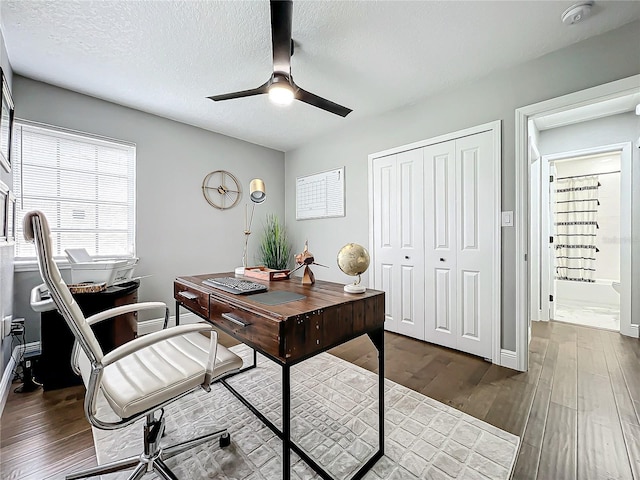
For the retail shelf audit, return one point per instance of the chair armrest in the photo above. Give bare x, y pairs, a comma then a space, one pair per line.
114, 312
131, 307
39, 305
147, 340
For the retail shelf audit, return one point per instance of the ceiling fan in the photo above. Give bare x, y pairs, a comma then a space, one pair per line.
280, 87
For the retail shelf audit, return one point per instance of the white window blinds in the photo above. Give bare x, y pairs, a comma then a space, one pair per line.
85, 186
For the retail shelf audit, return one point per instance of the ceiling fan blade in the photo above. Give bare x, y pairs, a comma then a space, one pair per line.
281, 19
323, 103
244, 93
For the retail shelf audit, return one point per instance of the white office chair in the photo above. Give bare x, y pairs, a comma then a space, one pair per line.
140, 377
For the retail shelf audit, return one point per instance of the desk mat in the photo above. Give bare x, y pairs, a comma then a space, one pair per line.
276, 298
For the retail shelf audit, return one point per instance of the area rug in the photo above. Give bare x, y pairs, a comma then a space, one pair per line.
334, 419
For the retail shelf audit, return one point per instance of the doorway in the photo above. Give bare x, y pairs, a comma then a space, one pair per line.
578, 221
619, 97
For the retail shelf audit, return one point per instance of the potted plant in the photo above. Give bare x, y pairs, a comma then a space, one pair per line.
275, 249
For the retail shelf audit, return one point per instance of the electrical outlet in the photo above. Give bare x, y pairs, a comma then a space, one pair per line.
6, 326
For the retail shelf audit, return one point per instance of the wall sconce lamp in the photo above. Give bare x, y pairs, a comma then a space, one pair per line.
257, 194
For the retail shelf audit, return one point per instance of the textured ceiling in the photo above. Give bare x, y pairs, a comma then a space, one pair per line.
166, 57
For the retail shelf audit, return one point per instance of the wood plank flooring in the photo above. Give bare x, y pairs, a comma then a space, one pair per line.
576, 409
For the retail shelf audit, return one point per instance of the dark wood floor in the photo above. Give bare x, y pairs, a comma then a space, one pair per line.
576, 410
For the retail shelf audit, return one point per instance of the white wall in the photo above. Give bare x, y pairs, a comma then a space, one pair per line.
595, 61
607, 240
178, 232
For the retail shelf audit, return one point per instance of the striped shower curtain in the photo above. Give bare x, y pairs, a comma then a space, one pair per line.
576, 222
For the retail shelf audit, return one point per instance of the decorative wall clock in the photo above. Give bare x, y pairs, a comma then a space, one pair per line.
221, 189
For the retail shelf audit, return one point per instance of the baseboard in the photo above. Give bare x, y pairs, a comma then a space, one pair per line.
155, 324
7, 375
509, 359
633, 331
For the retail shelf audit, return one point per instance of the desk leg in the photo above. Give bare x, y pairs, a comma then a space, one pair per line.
177, 313
377, 338
286, 422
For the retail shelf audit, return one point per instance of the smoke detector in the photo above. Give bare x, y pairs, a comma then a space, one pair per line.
576, 13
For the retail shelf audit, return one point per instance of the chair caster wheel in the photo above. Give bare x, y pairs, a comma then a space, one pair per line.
225, 440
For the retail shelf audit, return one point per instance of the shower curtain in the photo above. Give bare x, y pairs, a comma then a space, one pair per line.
576, 222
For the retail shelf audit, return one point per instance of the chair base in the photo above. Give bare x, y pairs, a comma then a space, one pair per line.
152, 460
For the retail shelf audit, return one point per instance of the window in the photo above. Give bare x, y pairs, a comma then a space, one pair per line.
84, 184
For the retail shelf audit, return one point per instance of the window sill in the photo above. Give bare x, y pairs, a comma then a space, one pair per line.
32, 265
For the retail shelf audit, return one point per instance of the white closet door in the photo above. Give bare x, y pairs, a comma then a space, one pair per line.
475, 226
398, 237
384, 232
440, 244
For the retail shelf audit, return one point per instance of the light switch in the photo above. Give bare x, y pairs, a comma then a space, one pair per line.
507, 219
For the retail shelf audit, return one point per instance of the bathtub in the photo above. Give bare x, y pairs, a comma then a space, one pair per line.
600, 292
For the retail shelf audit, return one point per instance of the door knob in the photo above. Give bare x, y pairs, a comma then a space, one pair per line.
406, 257
442, 259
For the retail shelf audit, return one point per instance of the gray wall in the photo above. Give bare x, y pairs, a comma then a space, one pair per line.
599, 60
6, 251
177, 231
606, 131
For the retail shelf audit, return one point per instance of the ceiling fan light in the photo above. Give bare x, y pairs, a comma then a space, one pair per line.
281, 93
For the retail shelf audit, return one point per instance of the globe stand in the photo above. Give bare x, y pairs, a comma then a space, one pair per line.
355, 287
351, 288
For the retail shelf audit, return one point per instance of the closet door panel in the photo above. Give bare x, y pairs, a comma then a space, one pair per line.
385, 283
441, 324
475, 221
443, 286
385, 235
469, 310
398, 240
410, 258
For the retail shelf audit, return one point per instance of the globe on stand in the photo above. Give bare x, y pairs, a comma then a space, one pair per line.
353, 259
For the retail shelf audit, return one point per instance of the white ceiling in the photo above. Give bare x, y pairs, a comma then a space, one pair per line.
166, 57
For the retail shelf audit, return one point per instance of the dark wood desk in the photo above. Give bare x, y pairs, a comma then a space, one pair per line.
290, 333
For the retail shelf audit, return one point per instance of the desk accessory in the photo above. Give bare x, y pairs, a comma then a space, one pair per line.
305, 259
236, 286
268, 274
277, 297
353, 259
257, 194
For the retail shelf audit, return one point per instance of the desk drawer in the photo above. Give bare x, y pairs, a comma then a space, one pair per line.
263, 332
192, 298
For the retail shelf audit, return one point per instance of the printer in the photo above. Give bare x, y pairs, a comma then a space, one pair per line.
86, 269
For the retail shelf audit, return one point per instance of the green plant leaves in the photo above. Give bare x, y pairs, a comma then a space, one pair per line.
275, 249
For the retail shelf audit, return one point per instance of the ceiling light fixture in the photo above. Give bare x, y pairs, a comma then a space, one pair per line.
281, 91
576, 13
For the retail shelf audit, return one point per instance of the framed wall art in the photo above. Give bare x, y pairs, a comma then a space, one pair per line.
4, 199
11, 218
6, 124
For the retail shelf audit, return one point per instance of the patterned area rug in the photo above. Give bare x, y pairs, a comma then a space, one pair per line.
334, 419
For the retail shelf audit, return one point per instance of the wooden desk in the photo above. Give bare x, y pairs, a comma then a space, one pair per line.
289, 333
